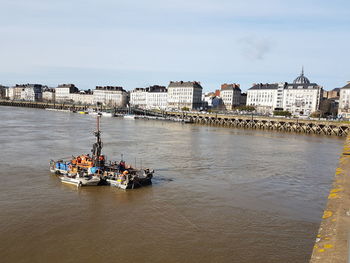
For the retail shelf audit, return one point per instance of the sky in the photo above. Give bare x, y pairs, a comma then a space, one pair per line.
142, 43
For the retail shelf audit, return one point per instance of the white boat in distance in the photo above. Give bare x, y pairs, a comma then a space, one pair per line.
50, 109
129, 117
107, 114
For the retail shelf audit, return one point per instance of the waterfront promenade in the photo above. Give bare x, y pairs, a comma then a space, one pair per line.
320, 127
269, 123
332, 241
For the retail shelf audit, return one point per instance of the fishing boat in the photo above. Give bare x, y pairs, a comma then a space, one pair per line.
86, 170
127, 178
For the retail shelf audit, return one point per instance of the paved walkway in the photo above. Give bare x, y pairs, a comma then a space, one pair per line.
332, 241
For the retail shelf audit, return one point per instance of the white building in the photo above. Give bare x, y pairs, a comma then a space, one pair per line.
111, 96
153, 97
230, 95
32, 92
344, 101
14, 93
184, 94
63, 92
301, 98
156, 97
82, 97
138, 98
49, 94
263, 97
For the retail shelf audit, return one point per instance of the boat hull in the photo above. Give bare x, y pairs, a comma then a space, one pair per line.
107, 114
80, 181
129, 117
130, 184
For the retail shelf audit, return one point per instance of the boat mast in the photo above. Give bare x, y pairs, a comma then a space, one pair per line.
97, 146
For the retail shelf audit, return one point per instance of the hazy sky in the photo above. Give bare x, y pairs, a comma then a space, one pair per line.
140, 43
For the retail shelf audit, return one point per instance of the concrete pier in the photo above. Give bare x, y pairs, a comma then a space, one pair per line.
332, 242
320, 127
267, 123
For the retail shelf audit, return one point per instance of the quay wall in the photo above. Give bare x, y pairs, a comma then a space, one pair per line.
332, 241
42, 105
319, 127
267, 123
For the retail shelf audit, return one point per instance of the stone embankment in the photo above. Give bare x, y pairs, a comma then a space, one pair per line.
266, 123
42, 105
332, 241
319, 127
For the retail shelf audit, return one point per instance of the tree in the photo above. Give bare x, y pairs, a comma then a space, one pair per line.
316, 114
282, 113
246, 108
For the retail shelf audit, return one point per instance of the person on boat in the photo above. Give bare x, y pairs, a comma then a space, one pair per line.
122, 166
101, 160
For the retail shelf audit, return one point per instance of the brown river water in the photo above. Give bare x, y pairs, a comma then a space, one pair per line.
219, 194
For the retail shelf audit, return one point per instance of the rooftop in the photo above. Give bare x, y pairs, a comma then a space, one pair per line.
347, 86
185, 84
111, 88
66, 86
264, 86
233, 86
301, 79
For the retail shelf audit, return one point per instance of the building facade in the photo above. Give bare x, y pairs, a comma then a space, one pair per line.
184, 95
63, 91
344, 101
138, 98
156, 97
15, 92
153, 97
243, 99
83, 97
111, 96
49, 95
263, 97
230, 95
332, 94
3, 92
32, 92
300, 98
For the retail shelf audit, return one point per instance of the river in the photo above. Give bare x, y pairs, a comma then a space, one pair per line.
218, 195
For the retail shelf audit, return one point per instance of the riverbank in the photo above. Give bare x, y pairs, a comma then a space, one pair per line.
332, 241
319, 127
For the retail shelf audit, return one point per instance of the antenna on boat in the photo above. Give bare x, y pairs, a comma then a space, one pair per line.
97, 146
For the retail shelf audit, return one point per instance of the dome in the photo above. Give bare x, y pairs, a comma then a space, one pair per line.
301, 79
